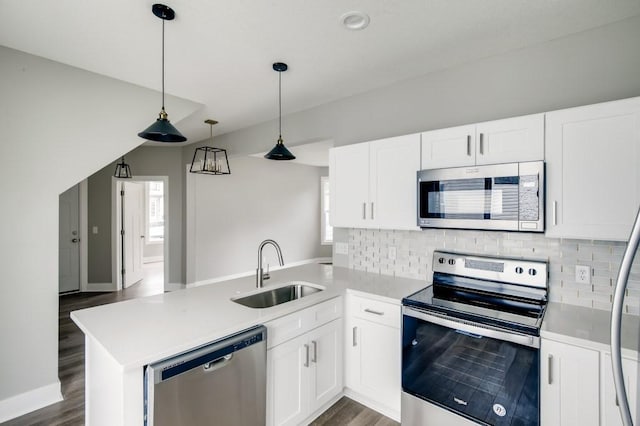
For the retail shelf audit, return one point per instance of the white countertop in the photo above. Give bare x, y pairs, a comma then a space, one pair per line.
589, 328
139, 331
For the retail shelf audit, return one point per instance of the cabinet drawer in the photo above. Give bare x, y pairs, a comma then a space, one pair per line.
293, 325
375, 311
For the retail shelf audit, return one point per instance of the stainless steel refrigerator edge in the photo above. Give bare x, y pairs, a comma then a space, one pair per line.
616, 322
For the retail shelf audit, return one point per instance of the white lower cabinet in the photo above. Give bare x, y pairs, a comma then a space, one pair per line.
373, 354
305, 372
577, 386
569, 385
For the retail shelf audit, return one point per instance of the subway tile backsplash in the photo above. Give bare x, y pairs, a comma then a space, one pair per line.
369, 251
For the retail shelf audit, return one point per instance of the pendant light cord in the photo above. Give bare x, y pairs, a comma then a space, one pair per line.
280, 106
163, 65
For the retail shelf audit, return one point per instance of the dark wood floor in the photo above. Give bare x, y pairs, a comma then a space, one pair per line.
348, 412
70, 411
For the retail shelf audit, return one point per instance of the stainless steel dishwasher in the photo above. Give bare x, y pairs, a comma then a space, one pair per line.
222, 383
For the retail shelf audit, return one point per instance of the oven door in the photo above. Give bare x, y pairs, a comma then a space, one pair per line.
486, 375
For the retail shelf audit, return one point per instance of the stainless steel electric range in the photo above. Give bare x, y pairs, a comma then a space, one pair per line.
471, 342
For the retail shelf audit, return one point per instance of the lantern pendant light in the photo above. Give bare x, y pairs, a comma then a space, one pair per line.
162, 130
209, 160
123, 171
280, 152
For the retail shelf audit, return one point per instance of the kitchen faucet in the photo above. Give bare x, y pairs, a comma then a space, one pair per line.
259, 274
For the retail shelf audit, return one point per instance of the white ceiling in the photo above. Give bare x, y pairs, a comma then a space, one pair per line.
219, 52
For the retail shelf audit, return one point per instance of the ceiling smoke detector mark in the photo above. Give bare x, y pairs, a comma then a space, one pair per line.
355, 20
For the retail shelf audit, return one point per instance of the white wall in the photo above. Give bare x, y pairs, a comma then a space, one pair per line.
59, 124
228, 216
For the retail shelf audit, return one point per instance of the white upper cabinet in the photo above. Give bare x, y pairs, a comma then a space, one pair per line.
349, 185
373, 184
516, 139
452, 147
511, 140
393, 164
592, 169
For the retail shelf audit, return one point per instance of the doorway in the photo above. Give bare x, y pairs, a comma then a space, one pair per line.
72, 247
140, 232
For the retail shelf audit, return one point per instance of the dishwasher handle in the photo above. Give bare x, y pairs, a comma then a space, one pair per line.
217, 364
210, 357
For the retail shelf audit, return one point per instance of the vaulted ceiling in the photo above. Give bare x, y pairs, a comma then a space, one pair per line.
219, 52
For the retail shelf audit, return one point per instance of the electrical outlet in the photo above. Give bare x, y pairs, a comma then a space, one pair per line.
583, 274
392, 253
341, 248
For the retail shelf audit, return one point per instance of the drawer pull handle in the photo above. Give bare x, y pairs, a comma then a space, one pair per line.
550, 365
371, 311
354, 336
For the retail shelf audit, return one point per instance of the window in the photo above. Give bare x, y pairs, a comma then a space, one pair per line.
155, 211
326, 230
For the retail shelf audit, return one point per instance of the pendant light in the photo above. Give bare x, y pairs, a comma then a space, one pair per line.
280, 152
162, 130
209, 160
123, 171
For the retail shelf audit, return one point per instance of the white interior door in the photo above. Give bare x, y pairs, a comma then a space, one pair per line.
69, 241
133, 226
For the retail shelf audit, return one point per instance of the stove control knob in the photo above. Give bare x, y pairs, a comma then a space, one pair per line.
519, 270
441, 260
452, 261
532, 272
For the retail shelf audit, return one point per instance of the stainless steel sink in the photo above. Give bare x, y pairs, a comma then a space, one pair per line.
277, 295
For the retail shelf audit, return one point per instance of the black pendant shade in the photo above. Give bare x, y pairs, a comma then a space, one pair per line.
280, 152
123, 171
162, 130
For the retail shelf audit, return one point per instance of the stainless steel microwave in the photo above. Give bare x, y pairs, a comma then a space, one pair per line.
506, 197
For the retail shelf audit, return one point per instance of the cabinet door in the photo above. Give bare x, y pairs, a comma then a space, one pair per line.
287, 378
378, 363
516, 139
592, 157
610, 410
452, 147
392, 183
349, 181
326, 360
569, 385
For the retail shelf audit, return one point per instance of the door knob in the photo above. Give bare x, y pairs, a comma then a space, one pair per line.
75, 240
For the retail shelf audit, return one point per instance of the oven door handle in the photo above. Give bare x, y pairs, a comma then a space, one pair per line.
468, 327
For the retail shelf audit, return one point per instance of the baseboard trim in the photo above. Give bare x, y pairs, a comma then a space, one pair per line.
374, 405
253, 272
29, 401
100, 287
174, 286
